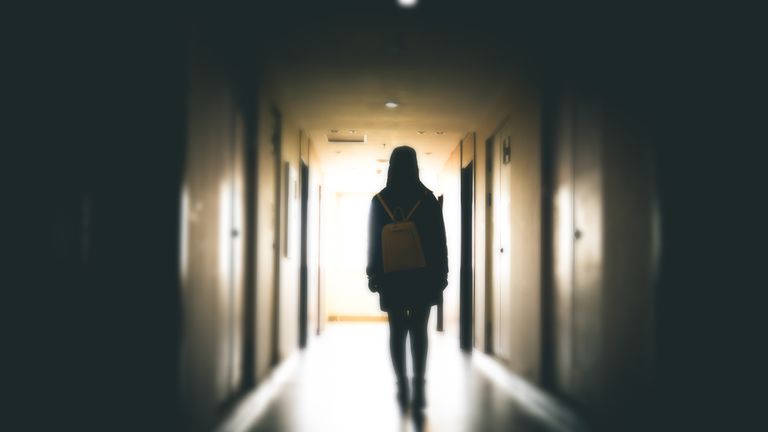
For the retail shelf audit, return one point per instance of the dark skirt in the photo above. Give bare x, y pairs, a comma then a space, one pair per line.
404, 290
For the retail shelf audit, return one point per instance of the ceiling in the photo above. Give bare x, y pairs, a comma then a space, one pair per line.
337, 82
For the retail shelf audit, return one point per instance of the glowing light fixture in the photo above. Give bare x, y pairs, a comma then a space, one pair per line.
391, 104
407, 3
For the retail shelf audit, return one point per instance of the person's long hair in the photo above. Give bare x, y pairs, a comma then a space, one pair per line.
404, 187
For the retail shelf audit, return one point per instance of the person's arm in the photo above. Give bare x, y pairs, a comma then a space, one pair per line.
373, 269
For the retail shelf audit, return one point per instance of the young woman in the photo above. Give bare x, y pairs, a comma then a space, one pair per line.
407, 295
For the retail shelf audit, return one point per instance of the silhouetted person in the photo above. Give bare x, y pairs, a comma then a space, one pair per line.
408, 295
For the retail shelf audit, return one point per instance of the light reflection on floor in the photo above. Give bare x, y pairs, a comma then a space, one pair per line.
344, 382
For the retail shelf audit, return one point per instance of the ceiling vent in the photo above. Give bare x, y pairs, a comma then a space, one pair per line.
346, 138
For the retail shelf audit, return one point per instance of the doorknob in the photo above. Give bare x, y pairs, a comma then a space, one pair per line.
577, 234
501, 250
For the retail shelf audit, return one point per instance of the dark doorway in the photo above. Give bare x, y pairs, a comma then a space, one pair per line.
488, 329
465, 286
277, 139
248, 107
303, 276
440, 310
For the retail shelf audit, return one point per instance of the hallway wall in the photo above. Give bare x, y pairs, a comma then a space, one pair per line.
278, 221
605, 248
290, 242
581, 319
267, 231
314, 272
510, 312
212, 248
449, 182
592, 362
233, 116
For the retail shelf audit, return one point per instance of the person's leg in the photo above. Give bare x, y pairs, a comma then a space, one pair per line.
398, 330
417, 327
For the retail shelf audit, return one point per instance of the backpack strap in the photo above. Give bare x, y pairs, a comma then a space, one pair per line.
415, 206
386, 208
413, 210
392, 215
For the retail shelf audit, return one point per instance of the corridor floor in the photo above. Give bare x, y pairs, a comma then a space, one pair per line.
344, 382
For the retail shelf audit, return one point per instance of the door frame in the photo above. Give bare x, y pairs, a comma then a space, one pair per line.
303, 255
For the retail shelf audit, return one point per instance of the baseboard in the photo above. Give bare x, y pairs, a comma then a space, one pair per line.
357, 318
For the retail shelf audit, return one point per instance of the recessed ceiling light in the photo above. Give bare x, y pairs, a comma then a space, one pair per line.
420, 132
439, 132
391, 104
407, 3
334, 131
353, 131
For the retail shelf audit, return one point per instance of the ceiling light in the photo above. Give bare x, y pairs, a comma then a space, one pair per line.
391, 104
334, 131
353, 131
420, 132
439, 132
407, 3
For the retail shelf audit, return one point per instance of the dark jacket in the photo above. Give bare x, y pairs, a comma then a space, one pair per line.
411, 288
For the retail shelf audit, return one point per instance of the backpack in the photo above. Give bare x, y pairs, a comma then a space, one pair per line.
400, 242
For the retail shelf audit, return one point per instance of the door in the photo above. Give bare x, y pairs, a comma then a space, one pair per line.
503, 218
466, 273
501, 299
587, 250
562, 247
490, 247
279, 226
304, 268
236, 245
578, 249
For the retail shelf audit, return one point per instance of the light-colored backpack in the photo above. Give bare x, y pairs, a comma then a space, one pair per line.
400, 242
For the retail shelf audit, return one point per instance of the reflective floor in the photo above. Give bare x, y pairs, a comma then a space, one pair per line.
344, 382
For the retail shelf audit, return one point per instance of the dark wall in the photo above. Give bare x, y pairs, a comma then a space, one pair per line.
97, 229
664, 335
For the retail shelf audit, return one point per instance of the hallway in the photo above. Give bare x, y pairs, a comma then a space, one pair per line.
344, 382
190, 234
